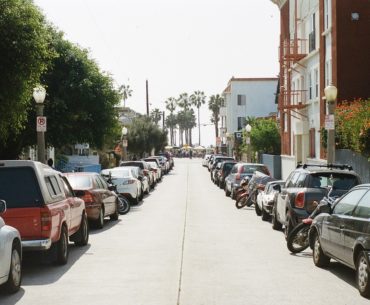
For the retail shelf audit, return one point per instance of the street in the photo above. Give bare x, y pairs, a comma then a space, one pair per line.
185, 244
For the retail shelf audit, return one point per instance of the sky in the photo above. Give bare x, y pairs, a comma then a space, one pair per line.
177, 45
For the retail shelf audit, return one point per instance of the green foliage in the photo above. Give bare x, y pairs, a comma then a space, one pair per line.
156, 115
143, 135
214, 104
265, 136
24, 55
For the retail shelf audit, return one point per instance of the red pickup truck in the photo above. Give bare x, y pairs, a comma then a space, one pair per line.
43, 207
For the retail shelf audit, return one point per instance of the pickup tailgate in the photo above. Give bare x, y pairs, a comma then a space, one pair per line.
26, 220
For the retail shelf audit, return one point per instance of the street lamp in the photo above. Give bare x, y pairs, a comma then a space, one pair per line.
331, 93
248, 129
39, 94
124, 143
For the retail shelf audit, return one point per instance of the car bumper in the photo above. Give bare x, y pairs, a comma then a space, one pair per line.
296, 215
36, 245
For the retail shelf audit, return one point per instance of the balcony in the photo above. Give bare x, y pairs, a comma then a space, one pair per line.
293, 99
293, 50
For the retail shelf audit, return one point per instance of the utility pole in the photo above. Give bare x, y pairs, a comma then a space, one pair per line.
147, 98
163, 120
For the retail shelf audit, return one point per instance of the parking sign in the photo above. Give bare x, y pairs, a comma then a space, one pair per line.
41, 123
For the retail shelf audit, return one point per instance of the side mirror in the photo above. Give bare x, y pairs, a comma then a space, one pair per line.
277, 187
2, 206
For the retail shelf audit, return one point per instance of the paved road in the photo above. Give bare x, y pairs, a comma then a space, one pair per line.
186, 244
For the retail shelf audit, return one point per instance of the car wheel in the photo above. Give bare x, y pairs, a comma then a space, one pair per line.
362, 275
288, 228
62, 247
82, 234
15, 273
265, 216
276, 225
319, 258
115, 215
99, 223
257, 209
232, 194
227, 193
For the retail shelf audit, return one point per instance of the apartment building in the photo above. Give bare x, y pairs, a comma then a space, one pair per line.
321, 42
246, 97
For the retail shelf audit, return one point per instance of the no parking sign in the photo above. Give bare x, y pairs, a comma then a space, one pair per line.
41, 123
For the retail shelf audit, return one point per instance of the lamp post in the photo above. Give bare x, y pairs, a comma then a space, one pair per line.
331, 93
248, 129
39, 94
124, 143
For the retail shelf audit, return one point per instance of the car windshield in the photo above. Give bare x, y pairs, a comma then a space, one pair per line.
153, 164
117, 173
19, 187
250, 169
80, 182
138, 164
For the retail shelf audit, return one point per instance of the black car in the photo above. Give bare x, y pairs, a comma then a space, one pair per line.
224, 171
305, 186
344, 235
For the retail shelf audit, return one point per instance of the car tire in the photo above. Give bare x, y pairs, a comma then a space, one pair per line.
232, 194
257, 209
62, 247
115, 215
288, 228
15, 272
227, 193
125, 205
363, 275
82, 235
265, 216
99, 223
276, 225
319, 258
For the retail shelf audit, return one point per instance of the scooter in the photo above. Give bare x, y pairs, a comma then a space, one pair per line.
124, 205
242, 194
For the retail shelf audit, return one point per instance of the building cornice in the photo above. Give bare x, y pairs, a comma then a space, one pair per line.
279, 3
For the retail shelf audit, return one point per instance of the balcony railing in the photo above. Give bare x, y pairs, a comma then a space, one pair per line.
294, 49
293, 99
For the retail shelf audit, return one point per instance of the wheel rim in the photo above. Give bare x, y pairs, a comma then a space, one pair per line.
16, 267
362, 273
316, 250
300, 241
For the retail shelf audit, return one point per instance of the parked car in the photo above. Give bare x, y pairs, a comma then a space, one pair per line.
344, 235
145, 188
126, 181
224, 171
10, 254
215, 161
100, 202
238, 172
43, 207
156, 170
267, 197
305, 186
169, 157
143, 172
205, 160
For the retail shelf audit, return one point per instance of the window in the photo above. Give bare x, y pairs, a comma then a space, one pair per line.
241, 122
310, 86
312, 143
103, 183
292, 182
53, 186
80, 182
363, 208
316, 77
67, 188
98, 182
312, 35
328, 72
326, 13
234, 170
19, 187
241, 100
301, 180
346, 205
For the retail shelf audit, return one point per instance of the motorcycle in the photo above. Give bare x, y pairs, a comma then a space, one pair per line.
124, 205
298, 238
242, 193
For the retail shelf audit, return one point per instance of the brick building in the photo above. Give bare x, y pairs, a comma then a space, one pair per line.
321, 42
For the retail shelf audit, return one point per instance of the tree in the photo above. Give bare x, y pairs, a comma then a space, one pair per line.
214, 104
25, 54
143, 135
198, 99
156, 115
126, 92
171, 122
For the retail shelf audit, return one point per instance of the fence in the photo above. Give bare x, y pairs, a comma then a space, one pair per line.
359, 163
273, 163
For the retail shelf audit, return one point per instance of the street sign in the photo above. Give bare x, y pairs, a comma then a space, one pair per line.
41, 123
124, 143
329, 122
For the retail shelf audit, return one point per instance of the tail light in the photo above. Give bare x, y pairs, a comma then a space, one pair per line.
45, 217
88, 197
299, 200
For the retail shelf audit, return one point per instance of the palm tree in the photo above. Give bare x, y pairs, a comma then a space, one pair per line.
214, 104
184, 102
198, 99
171, 123
156, 115
126, 93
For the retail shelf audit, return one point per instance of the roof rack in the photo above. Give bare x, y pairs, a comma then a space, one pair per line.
330, 165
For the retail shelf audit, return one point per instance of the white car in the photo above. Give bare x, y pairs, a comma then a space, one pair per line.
126, 181
157, 170
265, 198
10, 255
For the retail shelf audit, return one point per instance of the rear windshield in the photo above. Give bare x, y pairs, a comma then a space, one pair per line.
336, 180
80, 182
137, 164
250, 169
19, 187
228, 166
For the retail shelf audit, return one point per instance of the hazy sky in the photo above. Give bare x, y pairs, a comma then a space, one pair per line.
178, 45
